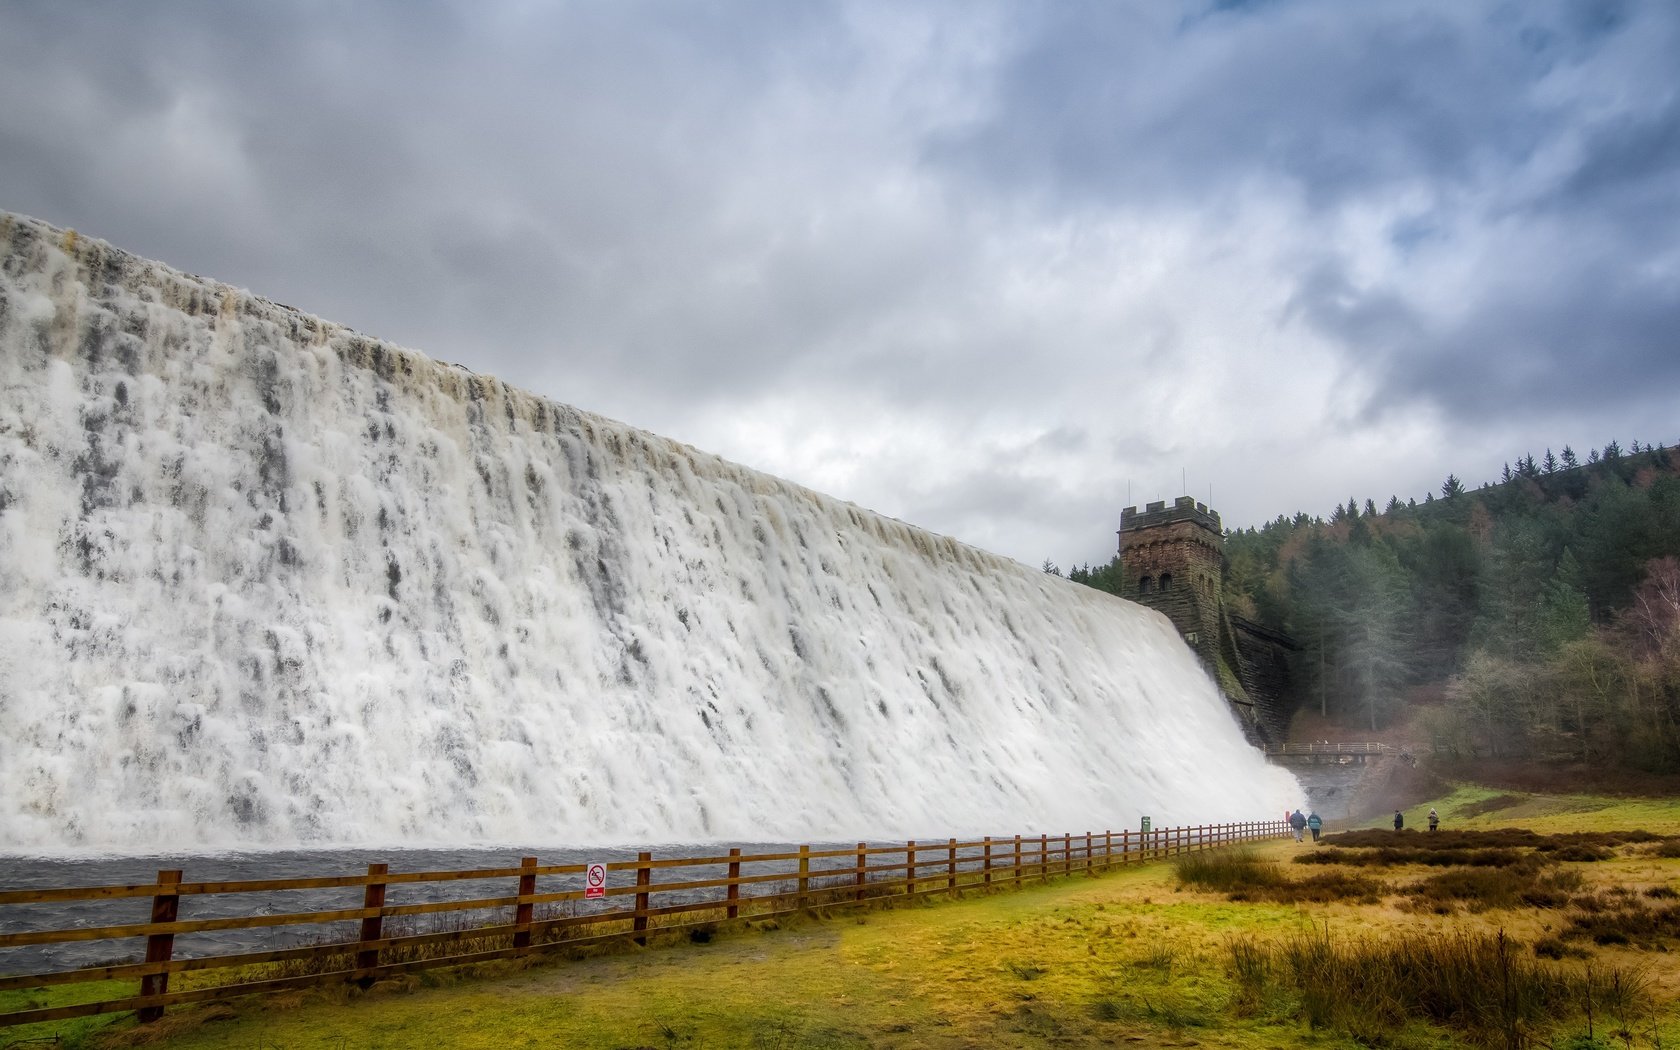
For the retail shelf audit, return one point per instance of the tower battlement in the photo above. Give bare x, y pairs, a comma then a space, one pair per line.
1184, 508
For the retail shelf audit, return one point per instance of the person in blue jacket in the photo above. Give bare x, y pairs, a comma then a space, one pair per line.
1314, 823
1299, 823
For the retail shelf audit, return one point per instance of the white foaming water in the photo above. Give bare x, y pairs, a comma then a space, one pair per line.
267, 582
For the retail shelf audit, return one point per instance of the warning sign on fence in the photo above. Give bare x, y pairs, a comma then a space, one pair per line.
595, 882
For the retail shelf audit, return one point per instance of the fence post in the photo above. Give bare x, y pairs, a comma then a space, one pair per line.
733, 894
1016, 876
910, 868
1067, 853
1108, 848
1044, 858
804, 900
862, 868
522, 913
1125, 838
644, 877
373, 926
1088, 851
160, 946
986, 866
951, 866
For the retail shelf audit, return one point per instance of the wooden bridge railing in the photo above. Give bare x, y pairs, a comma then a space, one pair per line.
670, 894
1332, 749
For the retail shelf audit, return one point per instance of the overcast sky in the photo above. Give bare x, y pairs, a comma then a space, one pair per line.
996, 269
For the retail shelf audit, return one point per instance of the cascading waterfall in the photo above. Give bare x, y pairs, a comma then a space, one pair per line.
268, 582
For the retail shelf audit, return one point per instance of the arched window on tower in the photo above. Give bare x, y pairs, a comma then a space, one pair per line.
1143, 585
1166, 581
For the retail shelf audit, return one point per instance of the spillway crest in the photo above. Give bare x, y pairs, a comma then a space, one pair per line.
265, 581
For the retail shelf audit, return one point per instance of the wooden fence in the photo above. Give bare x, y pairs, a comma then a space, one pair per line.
683, 895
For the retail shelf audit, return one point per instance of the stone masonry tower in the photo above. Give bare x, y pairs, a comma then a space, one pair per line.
1173, 560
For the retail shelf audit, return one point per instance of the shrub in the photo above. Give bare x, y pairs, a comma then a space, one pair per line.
1391, 855
1226, 871
1480, 984
1556, 948
1319, 888
1623, 921
1581, 852
1510, 887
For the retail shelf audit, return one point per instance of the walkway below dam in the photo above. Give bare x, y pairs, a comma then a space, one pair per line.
1342, 779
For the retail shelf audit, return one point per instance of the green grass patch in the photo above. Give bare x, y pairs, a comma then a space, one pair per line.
73, 1033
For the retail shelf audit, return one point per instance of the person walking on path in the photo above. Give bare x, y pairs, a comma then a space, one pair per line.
1299, 823
1314, 823
1434, 818
1399, 820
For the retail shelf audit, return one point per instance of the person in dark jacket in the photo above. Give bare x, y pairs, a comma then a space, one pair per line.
1314, 823
1299, 823
1399, 820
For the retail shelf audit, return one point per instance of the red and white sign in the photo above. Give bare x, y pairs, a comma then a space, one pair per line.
595, 883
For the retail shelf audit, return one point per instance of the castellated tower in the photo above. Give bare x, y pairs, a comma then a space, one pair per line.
1174, 561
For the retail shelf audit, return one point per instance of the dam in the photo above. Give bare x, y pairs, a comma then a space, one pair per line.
266, 582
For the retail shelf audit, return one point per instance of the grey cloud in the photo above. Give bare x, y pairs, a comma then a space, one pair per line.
1118, 108
1109, 103
1567, 332
674, 212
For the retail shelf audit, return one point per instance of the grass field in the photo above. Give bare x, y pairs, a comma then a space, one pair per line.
1155, 956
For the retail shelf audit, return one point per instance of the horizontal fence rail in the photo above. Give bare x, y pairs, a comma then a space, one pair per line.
1332, 749
384, 923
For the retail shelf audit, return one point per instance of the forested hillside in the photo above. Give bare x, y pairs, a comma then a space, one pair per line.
1535, 617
